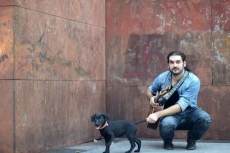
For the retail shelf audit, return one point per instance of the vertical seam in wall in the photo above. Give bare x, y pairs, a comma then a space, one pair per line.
212, 47
105, 95
105, 58
212, 43
13, 86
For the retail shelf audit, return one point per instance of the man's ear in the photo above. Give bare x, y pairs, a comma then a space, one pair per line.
184, 63
93, 118
107, 117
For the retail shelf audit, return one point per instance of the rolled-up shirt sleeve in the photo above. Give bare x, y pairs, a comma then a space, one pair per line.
189, 95
150, 88
155, 86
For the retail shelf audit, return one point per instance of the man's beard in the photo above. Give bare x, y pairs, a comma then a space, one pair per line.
176, 73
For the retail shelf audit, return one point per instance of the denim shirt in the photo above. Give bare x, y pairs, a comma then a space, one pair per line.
188, 91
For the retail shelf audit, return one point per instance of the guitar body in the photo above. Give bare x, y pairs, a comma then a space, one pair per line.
153, 110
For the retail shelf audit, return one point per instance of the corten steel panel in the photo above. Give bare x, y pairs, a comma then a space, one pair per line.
69, 9
125, 17
130, 103
215, 100
87, 11
138, 41
6, 43
55, 114
221, 42
90, 99
94, 12
136, 47
92, 60
6, 2
53, 48
88, 50
41, 115
6, 117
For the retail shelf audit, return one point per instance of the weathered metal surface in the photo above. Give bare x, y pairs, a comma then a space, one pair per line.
6, 43
221, 42
58, 50
215, 100
54, 48
6, 2
54, 114
52, 55
6, 117
139, 39
87, 11
140, 34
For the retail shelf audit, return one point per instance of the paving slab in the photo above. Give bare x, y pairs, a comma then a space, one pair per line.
121, 145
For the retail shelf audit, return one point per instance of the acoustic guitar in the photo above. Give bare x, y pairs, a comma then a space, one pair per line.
152, 109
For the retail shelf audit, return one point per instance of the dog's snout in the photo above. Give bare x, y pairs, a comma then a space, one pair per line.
100, 120
97, 123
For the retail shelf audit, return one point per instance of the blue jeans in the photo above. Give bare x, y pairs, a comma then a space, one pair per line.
195, 120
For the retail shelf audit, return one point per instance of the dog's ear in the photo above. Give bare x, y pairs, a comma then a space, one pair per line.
93, 118
107, 117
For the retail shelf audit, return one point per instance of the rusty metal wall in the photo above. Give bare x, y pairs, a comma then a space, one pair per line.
53, 59
140, 34
52, 72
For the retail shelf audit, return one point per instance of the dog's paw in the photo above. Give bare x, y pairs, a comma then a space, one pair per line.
106, 151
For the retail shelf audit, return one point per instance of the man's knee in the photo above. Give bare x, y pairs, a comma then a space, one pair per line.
204, 123
166, 126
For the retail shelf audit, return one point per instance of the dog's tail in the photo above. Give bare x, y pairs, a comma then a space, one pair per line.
141, 121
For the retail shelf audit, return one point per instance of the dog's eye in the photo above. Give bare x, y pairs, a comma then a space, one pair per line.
97, 117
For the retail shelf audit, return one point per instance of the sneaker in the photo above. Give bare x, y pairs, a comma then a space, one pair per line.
168, 145
191, 145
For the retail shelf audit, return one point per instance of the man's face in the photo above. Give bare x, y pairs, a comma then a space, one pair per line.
176, 65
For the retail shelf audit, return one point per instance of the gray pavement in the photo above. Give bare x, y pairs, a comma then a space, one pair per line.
121, 145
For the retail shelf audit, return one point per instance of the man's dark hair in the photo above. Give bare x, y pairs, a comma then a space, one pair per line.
181, 54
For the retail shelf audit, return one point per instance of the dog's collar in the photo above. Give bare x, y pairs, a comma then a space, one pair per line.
106, 124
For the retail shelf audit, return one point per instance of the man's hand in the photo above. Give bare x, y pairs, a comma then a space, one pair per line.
152, 102
152, 118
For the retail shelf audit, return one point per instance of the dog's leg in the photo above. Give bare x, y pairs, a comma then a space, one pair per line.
138, 142
130, 136
108, 141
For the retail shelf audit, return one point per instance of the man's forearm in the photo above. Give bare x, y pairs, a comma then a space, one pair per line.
169, 111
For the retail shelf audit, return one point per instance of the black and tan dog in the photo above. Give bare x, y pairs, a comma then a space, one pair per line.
113, 129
